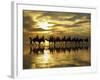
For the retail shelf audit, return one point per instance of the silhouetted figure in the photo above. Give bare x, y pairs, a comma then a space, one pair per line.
36, 39
68, 39
41, 40
86, 40
64, 38
30, 40
57, 39
52, 39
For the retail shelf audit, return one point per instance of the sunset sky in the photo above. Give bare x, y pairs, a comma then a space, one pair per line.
56, 39
67, 23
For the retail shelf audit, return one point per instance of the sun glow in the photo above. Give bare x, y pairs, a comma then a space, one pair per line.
46, 56
44, 25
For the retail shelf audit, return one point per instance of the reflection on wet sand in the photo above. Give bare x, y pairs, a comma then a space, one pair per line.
49, 56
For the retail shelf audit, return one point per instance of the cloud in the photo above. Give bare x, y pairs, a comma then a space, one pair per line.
62, 21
